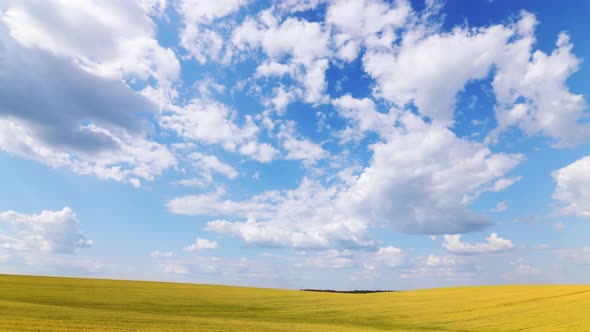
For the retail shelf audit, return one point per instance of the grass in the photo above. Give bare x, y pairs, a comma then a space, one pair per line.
69, 304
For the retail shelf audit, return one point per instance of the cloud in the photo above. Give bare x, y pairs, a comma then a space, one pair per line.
372, 24
500, 207
202, 244
362, 117
576, 255
161, 254
309, 216
429, 67
210, 164
493, 244
526, 270
396, 190
111, 38
207, 121
531, 91
294, 47
422, 178
47, 231
203, 39
573, 188
299, 148
63, 101
175, 269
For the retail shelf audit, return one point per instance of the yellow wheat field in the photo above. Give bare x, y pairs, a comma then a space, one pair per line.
68, 304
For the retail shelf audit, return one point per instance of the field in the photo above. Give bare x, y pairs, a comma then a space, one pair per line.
69, 304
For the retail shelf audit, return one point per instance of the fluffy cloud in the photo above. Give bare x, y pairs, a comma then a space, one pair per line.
210, 164
294, 46
402, 190
396, 189
47, 231
202, 244
573, 187
299, 148
368, 23
199, 36
363, 116
493, 244
531, 89
430, 70
309, 216
207, 121
110, 38
63, 102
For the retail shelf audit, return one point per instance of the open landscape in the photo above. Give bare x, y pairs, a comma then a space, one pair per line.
294, 165
72, 304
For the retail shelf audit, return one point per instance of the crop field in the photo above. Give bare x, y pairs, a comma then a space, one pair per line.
69, 304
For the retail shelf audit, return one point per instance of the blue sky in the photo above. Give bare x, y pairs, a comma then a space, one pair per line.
296, 144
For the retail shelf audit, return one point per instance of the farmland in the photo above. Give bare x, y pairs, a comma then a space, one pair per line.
69, 304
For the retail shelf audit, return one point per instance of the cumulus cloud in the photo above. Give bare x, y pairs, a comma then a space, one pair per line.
207, 121
396, 189
423, 71
295, 47
493, 244
202, 244
199, 36
400, 189
369, 23
531, 89
80, 114
573, 187
363, 116
306, 217
47, 231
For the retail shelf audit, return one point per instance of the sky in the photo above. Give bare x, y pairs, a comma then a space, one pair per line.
354, 144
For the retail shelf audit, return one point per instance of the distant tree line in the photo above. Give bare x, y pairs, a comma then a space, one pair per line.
356, 291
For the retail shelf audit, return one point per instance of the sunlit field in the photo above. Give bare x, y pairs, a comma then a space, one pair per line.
69, 304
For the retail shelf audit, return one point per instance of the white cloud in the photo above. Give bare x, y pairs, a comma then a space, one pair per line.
110, 38
429, 70
202, 244
200, 37
531, 91
175, 269
135, 158
306, 217
210, 164
500, 207
526, 270
207, 121
300, 148
423, 177
576, 255
363, 117
295, 47
368, 23
161, 254
397, 190
493, 244
573, 187
440, 261
81, 115
559, 226
47, 231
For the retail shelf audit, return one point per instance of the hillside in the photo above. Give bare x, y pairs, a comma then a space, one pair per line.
69, 304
